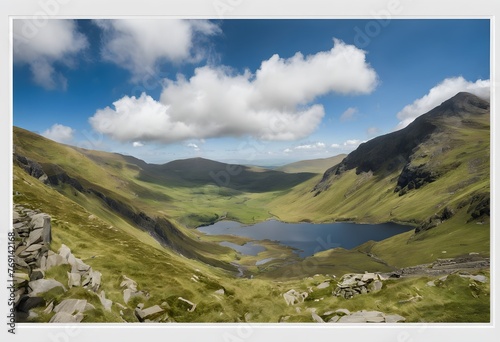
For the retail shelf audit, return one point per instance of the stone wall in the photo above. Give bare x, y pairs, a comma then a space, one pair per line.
32, 233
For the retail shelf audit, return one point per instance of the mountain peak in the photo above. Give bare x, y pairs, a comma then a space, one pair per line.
392, 151
461, 103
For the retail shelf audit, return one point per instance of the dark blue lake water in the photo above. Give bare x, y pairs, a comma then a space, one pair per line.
307, 238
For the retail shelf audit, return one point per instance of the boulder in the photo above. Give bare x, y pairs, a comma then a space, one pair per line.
152, 312
18, 225
128, 294
36, 274
323, 285
54, 260
34, 237
20, 263
367, 317
86, 281
372, 316
106, 303
219, 292
43, 285
351, 319
18, 295
64, 317
33, 248
128, 283
74, 279
42, 221
78, 266
376, 286
64, 251
71, 306
368, 277
96, 280
20, 250
28, 303
479, 278
394, 318
43, 262
363, 317
348, 281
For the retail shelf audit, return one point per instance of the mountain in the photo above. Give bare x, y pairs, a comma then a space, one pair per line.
131, 222
391, 151
200, 171
312, 165
433, 173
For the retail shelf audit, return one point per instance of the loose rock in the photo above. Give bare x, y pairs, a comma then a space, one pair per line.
43, 285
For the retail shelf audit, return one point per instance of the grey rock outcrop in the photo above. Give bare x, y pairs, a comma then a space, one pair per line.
323, 285
32, 232
130, 289
106, 303
43, 285
72, 306
81, 274
365, 317
64, 317
150, 313
353, 284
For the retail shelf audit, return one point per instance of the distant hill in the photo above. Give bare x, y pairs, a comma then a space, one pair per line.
312, 165
196, 171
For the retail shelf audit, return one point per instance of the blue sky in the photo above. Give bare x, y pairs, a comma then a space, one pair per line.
257, 91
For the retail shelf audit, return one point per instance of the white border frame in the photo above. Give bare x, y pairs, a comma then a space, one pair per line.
237, 9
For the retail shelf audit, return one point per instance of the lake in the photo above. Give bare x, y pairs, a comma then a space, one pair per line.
306, 238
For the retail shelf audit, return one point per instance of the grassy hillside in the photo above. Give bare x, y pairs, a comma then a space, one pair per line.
451, 163
117, 250
193, 191
312, 165
123, 216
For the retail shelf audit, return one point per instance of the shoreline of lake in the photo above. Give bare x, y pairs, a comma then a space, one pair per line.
305, 237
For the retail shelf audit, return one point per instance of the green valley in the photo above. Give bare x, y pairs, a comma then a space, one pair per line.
132, 220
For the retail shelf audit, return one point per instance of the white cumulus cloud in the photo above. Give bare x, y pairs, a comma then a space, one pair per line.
137, 144
58, 41
139, 44
440, 93
348, 114
193, 146
347, 145
315, 146
274, 103
59, 133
